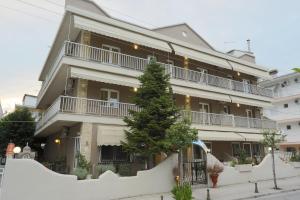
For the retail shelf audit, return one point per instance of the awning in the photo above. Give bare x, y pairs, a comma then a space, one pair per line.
200, 93
103, 77
249, 137
110, 135
249, 70
119, 33
201, 56
219, 136
252, 102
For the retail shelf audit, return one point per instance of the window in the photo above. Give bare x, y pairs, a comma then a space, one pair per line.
197, 152
236, 149
247, 85
285, 105
204, 107
247, 149
112, 55
226, 110
288, 127
256, 150
249, 113
112, 154
109, 95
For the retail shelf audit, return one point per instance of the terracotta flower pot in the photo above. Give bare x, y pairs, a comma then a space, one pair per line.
214, 179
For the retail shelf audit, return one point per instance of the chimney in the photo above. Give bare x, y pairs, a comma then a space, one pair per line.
249, 45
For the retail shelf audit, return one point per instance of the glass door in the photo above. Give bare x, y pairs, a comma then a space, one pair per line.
204, 109
247, 85
111, 55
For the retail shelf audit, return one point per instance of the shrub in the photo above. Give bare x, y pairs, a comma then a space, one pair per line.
242, 158
81, 173
101, 168
125, 170
233, 162
182, 192
82, 162
295, 158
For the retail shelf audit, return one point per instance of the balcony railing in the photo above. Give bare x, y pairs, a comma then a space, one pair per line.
117, 59
84, 106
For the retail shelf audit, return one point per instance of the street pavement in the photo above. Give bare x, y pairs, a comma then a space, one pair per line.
294, 195
240, 191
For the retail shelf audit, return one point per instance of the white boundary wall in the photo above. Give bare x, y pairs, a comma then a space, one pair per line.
29, 180
261, 172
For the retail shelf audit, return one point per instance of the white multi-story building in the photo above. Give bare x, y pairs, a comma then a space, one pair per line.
91, 74
286, 109
29, 102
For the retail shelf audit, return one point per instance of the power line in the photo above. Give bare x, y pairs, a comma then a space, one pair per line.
28, 14
39, 7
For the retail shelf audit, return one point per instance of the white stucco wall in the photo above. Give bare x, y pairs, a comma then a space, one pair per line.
263, 171
29, 180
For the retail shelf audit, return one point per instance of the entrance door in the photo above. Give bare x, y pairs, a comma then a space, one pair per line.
204, 109
247, 85
112, 55
249, 115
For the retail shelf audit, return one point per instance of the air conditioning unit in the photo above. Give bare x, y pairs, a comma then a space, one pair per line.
297, 101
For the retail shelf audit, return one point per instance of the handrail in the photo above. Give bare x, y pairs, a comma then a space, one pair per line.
77, 105
87, 52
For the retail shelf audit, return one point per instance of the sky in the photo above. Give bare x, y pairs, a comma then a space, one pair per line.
28, 28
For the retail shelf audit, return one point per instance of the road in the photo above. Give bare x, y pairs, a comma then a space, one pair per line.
282, 196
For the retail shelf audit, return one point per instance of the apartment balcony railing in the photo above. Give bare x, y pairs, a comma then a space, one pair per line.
100, 55
84, 106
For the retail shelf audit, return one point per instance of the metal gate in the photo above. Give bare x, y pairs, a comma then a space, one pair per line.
195, 172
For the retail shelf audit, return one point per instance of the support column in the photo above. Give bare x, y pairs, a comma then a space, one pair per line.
85, 39
81, 91
86, 140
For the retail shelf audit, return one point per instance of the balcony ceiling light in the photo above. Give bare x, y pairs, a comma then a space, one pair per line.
136, 47
135, 89
238, 73
238, 105
57, 141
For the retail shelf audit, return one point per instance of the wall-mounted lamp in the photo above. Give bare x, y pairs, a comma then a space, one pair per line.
57, 141
136, 47
186, 58
238, 73
135, 89
238, 105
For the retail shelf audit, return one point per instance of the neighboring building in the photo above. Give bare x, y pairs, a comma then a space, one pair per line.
286, 110
29, 102
91, 74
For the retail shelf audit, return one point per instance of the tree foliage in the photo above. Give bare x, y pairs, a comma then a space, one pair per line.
297, 70
271, 138
156, 127
17, 127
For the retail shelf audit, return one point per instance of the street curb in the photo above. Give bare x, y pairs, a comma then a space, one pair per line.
267, 194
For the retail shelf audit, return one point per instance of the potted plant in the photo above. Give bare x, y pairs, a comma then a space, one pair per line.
242, 163
83, 167
295, 161
214, 168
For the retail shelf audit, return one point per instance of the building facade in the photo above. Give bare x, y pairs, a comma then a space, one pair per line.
91, 73
286, 109
29, 102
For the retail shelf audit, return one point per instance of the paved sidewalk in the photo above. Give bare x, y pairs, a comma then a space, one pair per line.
235, 192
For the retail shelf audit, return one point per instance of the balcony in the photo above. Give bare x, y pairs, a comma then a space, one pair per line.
83, 106
116, 59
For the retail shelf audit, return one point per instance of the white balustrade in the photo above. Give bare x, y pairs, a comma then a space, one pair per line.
135, 63
76, 105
